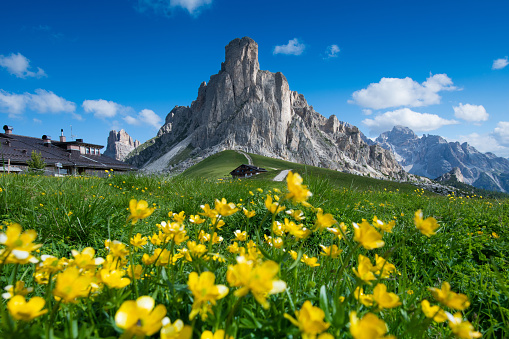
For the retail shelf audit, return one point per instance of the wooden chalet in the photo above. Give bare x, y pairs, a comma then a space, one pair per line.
245, 171
61, 157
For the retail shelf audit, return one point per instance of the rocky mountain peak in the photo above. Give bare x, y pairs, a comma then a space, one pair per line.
119, 145
245, 108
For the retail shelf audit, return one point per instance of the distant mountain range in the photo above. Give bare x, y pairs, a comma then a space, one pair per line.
252, 110
432, 156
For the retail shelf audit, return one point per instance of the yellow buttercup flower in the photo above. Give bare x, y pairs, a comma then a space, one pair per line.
224, 208
140, 318
462, 329
240, 235
385, 299
260, 280
449, 298
331, 251
298, 215
20, 309
339, 232
17, 289
369, 327
383, 226
18, 245
364, 270
365, 299
116, 248
114, 278
86, 259
219, 334
426, 226
434, 312
248, 214
367, 236
71, 285
176, 330
196, 219
139, 210
208, 212
310, 261
298, 231
138, 241
324, 220
297, 192
273, 207
205, 293
309, 320
383, 267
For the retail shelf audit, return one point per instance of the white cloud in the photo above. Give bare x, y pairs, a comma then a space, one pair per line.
46, 101
19, 65
102, 108
165, 7
41, 102
332, 51
367, 111
415, 121
485, 143
500, 63
501, 133
472, 113
294, 47
396, 92
37, 121
144, 117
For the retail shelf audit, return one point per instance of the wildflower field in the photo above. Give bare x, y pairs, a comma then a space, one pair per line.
132, 256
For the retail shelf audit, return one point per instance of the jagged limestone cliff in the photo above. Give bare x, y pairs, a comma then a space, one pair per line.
120, 145
245, 108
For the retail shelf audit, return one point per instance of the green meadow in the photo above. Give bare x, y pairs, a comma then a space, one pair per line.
282, 278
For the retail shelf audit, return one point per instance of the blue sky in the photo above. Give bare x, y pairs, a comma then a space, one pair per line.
439, 67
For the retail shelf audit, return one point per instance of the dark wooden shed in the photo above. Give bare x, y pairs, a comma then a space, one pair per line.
245, 171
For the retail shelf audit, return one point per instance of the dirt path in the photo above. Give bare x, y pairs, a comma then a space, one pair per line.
282, 175
249, 160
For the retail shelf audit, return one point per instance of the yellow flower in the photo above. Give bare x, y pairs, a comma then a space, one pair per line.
298, 215
434, 312
117, 249
463, 329
234, 248
383, 266
17, 289
427, 226
114, 278
240, 236
293, 254
195, 250
138, 241
383, 226
224, 208
339, 232
248, 214
367, 236
138, 269
26, 311
179, 218
208, 212
177, 330
219, 334
140, 318
71, 285
297, 192
18, 246
298, 231
369, 327
384, 299
260, 280
309, 320
449, 298
311, 262
139, 210
196, 219
365, 299
86, 259
205, 293
274, 208
324, 220
331, 251
364, 270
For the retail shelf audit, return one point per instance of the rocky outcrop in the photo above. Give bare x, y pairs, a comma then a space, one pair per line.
120, 145
432, 156
245, 108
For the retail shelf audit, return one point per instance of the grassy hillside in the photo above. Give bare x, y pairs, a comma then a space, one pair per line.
220, 164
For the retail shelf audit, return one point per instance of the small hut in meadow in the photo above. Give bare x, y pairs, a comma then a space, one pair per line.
246, 171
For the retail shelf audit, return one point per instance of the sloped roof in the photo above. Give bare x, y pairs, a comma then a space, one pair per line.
251, 167
18, 149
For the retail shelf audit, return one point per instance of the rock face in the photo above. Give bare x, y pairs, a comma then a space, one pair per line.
245, 108
432, 156
120, 145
